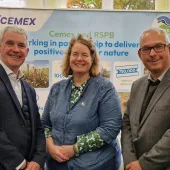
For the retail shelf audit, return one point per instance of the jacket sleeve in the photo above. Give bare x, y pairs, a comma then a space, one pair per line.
128, 149
40, 149
10, 157
109, 112
126, 140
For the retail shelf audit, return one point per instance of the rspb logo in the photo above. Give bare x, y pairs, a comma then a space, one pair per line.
162, 22
127, 71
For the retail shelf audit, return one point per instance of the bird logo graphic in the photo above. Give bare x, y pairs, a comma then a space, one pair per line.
164, 19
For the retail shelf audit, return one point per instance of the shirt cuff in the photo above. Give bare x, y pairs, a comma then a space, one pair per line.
19, 166
48, 132
89, 142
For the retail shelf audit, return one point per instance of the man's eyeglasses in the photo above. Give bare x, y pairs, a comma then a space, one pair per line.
157, 48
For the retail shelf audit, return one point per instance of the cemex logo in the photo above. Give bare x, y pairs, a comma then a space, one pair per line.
16, 20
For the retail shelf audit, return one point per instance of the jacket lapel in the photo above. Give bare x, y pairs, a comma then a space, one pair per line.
9, 87
164, 84
139, 99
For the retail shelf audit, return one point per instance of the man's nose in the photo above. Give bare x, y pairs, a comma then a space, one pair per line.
15, 48
153, 53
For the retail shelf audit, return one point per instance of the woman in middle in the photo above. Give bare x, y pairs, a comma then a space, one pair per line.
82, 115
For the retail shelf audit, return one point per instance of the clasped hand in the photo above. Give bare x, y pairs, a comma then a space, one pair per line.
30, 166
62, 153
133, 166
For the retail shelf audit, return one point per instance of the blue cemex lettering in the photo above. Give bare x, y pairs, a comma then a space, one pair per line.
17, 21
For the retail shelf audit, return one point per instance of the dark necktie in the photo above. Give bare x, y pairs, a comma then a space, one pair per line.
151, 89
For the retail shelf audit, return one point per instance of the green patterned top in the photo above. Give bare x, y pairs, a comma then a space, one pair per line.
86, 142
76, 92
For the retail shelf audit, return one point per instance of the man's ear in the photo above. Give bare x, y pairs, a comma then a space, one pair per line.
28, 51
139, 54
168, 48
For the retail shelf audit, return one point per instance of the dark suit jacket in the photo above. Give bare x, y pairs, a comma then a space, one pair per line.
13, 137
149, 140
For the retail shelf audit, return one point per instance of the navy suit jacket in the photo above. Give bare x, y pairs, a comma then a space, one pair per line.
13, 137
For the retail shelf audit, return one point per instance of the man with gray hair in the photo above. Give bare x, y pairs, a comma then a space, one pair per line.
22, 141
146, 123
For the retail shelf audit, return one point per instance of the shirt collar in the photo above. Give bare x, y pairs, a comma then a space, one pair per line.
81, 86
159, 78
10, 72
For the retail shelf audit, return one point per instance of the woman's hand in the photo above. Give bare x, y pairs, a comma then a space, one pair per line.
55, 151
67, 150
58, 154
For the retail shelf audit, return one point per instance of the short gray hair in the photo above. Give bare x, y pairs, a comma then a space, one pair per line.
12, 29
157, 30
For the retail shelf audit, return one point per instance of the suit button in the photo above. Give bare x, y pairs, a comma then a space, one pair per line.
22, 125
6, 164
